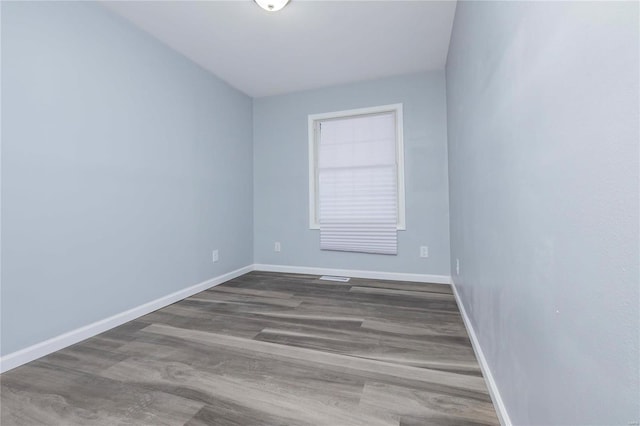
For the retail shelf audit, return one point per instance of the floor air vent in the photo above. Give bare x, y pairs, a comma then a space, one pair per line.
332, 278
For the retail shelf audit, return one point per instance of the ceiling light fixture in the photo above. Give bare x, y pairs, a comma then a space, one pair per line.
272, 5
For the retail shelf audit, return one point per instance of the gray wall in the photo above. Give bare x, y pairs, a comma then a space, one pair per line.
123, 166
281, 174
543, 165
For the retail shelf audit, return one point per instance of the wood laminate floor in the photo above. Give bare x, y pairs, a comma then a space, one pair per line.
267, 349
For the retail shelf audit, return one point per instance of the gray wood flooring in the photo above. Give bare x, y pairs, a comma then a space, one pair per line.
267, 349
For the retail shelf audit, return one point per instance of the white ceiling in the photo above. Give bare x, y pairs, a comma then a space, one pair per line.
308, 44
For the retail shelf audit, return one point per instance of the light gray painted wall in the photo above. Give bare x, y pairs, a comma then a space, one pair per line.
543, 164
123, 166
281, 174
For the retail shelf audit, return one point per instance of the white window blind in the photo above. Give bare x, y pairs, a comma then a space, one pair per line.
357, 184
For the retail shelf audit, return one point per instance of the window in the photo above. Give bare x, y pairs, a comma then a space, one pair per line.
356, 173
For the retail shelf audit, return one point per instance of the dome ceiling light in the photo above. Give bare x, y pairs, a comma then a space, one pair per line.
272, 5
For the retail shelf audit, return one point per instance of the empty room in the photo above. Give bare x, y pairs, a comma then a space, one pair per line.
298, 212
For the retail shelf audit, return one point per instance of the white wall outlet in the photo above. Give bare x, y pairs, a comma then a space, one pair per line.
215, 256
277, 247
457, 266
424, 251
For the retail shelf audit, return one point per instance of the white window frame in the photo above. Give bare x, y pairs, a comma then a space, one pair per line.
315, 119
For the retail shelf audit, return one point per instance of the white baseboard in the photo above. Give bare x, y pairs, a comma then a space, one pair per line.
41, 349
395, 276
498, 403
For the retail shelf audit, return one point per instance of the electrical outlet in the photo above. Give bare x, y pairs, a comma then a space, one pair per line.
277, 247
424, 251
457, 266
215, 256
